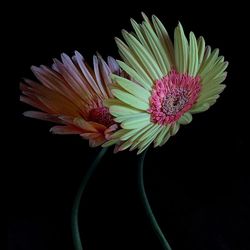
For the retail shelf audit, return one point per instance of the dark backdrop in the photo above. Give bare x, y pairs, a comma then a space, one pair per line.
198, 183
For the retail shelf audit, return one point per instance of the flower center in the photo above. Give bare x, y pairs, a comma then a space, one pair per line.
172, 96
175, 101
102, 116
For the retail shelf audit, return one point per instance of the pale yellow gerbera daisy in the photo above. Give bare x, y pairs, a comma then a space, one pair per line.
169, 82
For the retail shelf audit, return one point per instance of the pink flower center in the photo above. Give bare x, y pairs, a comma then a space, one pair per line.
172, 96
102, 116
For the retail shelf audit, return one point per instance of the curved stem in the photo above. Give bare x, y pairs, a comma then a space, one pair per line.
146, 204
75, 210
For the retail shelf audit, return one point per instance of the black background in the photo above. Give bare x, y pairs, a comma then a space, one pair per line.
198, 183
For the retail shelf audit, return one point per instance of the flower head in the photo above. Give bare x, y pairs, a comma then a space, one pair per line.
71, 94
172, 96
169, 82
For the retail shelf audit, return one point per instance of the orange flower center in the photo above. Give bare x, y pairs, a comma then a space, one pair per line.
102, 116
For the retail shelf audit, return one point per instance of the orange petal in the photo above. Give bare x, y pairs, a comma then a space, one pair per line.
63, 130
95, 139
41, 116
80, 122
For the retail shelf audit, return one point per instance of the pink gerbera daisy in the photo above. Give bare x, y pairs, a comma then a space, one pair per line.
71, 94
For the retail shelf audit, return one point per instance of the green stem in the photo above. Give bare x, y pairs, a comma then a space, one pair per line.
146, 204
75, 210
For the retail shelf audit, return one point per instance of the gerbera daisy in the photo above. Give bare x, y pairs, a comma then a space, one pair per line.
169, 82
71, 94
